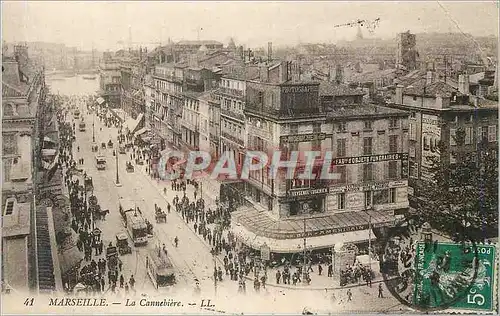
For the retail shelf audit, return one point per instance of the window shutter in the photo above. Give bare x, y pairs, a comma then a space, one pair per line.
479, 134
453, 132
386, 170
360, 173
492, 133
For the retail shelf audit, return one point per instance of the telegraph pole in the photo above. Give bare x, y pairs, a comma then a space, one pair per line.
118, 184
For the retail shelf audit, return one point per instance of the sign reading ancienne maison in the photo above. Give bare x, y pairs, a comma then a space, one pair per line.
303, 138
299, 89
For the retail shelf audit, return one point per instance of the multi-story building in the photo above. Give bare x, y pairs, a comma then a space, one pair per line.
406, 54
232, 94
437, 110
23, 92
110, 81
368, 144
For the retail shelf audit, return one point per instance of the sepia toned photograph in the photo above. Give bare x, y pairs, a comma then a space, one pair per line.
249, 157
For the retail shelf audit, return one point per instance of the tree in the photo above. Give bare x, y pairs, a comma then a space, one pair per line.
462, 198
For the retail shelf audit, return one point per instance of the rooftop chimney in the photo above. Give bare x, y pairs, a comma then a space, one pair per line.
429, 79
263, 73
399, 94
463, 84
270, 51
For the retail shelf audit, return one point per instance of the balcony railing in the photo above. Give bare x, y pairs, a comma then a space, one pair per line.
233, 139
232, 114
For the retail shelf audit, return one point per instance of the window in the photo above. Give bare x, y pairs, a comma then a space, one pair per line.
413, 131
341, 201
393, 144
414, 98
452, 158
368, 172
9, 144
368, 125
367, 146
412, 152
368, 198
342, 127
392, 195
294, 129
471, 118
453, 132
9, 207
413, 115
342, 170
468, 135
492, 133
426, 143
393, 169
341, 150
380, 197
393, 123
483, 131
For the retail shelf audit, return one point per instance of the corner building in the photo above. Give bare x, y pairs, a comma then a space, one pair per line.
369, 146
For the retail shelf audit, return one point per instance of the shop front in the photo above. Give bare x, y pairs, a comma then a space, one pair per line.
321, 232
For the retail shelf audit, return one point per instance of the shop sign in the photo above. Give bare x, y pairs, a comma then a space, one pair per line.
297, 193
368, 159
368, 186
303, 138
299, 89
328, 231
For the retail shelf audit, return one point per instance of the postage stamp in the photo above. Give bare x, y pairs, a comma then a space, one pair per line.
443, 274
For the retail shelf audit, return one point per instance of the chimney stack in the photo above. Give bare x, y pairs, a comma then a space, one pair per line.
429, 78
269, 51
399, 94
463, 84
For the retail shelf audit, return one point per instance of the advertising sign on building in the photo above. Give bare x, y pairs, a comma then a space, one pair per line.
431, 135
265, 252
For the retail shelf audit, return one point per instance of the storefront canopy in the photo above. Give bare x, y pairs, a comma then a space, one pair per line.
297, 244
263, 225
70, 259
100, 101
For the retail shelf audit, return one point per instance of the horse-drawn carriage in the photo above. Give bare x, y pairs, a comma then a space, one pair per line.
112, 257
122, 244
103, 145
129, 167
94, 147
88, 184
99, 213
160, 215
110, 144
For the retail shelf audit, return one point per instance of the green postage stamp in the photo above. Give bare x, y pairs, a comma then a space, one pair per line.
453, 275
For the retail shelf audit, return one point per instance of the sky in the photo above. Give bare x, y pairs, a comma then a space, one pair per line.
103, 25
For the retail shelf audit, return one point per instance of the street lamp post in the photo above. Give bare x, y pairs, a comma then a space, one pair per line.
369, 236
304, 272
117, 176
93, 131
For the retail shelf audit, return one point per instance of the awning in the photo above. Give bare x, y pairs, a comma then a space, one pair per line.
48, 152
48, 139
142, 131
297, 244
100, 100
322, 224
132, 124
70, 259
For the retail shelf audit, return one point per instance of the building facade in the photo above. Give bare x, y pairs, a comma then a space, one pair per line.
110, 81
437, 110
23, 94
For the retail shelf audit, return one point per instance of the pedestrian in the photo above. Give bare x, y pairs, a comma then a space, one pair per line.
176, 241
330, 270
349, 295
132, 282
380, 291
320, 269
120, 264
122, 280
278, 277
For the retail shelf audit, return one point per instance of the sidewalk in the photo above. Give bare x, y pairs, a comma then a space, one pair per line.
319, 282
